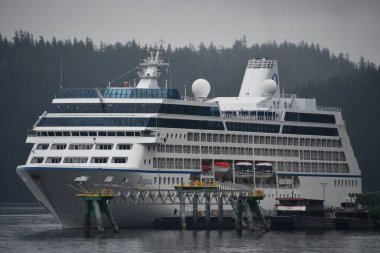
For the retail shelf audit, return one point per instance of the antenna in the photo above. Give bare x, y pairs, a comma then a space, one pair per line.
61, 74
170, 76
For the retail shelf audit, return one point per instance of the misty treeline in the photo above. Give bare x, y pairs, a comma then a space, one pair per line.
30, 76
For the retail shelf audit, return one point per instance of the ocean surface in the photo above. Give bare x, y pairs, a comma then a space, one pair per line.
22, 230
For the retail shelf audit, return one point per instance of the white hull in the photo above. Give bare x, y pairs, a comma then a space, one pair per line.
50, 187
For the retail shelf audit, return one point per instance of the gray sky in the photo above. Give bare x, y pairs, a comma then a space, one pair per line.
346, 26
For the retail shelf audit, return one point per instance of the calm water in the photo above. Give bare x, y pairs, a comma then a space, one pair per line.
40, 233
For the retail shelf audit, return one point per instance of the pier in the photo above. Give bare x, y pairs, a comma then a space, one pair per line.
97, 203
241, 199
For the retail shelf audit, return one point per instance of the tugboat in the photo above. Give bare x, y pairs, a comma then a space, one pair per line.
349, 216
301, 213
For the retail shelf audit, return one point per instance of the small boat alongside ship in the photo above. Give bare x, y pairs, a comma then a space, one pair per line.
349, 216
301, 213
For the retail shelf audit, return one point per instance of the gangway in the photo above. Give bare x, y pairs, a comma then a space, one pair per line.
240, 197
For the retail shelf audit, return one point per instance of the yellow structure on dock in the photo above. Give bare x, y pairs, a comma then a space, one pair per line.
97, 203
102, 194
198, 185
256, 194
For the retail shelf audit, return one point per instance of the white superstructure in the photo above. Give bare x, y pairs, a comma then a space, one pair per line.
150, 138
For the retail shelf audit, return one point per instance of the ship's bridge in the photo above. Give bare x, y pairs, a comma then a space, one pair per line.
118, 93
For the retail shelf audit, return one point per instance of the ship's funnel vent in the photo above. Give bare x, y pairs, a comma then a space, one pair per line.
260, 79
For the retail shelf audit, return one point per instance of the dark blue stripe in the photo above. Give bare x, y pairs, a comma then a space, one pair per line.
317, 175
113, 170
164, 171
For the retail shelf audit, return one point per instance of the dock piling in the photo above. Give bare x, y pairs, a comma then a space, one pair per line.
182, 210
87, 217
249, 215
220, 210
98, 215
110, 217
195, 210
239, 215
256, 208
208, 209
98, 204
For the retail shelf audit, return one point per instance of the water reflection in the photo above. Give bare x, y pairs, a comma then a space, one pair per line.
33, 233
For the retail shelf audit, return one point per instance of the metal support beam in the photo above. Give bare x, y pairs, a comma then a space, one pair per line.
182, 210
208, 209
195, 210
98, 216
239, 215
220, 210
256, 208
248, 213
87, 217
110, 217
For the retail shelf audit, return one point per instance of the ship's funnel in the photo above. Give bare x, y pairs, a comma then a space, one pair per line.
255, 81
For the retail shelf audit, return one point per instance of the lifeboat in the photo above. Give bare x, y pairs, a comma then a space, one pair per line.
243, 169
221, 166
243, 164
264, 164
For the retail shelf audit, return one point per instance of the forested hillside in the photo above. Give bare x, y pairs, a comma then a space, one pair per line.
30, 76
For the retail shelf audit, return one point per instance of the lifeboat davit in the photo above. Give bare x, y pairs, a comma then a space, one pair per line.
221, 166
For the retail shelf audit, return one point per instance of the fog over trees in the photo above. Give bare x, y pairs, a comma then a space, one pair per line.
30, 77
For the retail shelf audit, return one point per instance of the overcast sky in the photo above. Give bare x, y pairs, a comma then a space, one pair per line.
346, 26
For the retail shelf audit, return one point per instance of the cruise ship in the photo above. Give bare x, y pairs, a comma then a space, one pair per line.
149, 137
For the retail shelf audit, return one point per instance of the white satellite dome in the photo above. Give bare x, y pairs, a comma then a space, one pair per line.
269, 87
201, 88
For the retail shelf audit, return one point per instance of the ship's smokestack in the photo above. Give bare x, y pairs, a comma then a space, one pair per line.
256, 77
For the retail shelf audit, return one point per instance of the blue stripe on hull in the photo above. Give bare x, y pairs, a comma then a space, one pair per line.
318, 175
178, 172
114, 170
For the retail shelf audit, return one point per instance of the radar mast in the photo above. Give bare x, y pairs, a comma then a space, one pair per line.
149, 70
